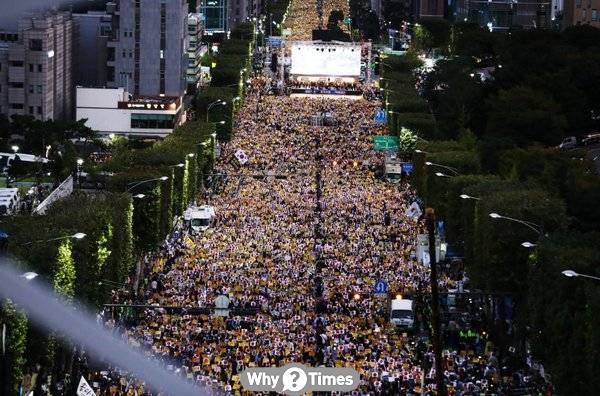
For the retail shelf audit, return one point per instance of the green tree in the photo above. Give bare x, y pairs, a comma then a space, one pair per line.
525, 116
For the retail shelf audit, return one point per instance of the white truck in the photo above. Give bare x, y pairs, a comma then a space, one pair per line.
393, 170
402, 313
198, 218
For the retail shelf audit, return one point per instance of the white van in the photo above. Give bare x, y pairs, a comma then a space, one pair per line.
199, 218
402, 313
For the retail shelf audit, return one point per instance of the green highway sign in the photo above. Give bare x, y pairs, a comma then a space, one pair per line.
385, 142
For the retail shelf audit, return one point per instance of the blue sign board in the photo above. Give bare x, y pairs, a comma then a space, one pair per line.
381, 287
407, 167
380, 116
276, 41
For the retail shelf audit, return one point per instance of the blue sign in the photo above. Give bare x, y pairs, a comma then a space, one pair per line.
381, 287
380, 116
276, 41
407, 167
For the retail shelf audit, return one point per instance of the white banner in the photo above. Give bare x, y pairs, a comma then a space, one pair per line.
84, 389
64, 190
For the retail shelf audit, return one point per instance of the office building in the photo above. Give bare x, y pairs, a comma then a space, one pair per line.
242, 10
37, 67
500, 15
147, 51
215, 14
114, 111
581, 12
94, 32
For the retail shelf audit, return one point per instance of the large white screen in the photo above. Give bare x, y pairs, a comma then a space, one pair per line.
325, 60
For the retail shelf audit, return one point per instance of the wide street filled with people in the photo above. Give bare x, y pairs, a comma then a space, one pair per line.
304, 229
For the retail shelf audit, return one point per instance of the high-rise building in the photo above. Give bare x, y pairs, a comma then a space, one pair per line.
37, 67
94, 32
215, 14
499, 15
581, 12
147, 52
242, 10
195, 50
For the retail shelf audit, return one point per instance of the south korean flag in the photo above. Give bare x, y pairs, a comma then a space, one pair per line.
241, 156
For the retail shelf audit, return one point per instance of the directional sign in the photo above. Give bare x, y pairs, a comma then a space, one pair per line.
380, 116
407, 167
381, 287
385, 142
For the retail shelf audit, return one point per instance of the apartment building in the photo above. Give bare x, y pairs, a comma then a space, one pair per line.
38, 67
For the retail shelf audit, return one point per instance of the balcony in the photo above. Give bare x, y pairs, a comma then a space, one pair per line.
16, 74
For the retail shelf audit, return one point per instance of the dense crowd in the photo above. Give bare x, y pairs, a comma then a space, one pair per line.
299, 250
303, 17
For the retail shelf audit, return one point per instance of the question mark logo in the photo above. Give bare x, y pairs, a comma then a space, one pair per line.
294, 379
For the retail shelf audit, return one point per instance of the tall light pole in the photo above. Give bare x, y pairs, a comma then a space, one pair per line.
533, 226
133, 185
78, 235
451, 169
211, 105
573, 274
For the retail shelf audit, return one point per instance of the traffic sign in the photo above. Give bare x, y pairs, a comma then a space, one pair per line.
380, 116
385, 142
407, 167
381, 287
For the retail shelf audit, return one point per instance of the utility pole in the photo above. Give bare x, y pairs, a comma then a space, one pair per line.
435, 302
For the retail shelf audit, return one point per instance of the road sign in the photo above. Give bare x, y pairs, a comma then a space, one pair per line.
407, 167
276, 41
380, 116
385, 142
381, 287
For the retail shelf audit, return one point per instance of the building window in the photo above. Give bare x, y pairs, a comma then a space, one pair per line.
124, 53
30, 88
39, 109
38, 89
578, 3
594, 15
16, 106
152, 121
40, 68
31, 68
30, 109
35, 44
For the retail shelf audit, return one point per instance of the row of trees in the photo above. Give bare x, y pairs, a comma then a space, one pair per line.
495, 149
231, 67
149, 184
76, 268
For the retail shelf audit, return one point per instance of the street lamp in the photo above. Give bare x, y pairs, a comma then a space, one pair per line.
15, 148
465, 196
451, 169
440, 174
535, 227
29, 276
135, 184
573, 274
211, 105
421, 152
528, 244
139, 196
78, 235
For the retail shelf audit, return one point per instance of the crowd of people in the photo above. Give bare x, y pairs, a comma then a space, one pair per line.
297, 252
303, 16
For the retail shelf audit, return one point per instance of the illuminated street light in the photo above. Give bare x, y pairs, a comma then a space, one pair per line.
465, 196
528, 245
573, 274
535, 227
